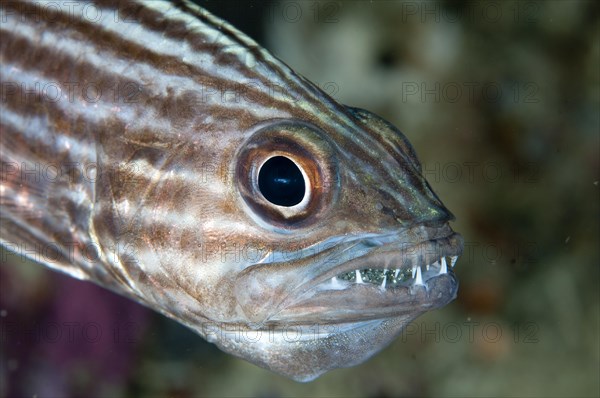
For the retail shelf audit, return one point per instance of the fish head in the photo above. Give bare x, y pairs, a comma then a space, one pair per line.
314, 239
354, 243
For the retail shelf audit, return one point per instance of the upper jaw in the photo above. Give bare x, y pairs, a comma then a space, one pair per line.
423, 252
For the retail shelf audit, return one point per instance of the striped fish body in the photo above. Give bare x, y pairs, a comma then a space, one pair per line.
136, 137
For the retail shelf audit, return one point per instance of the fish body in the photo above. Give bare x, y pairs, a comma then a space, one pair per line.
153, 149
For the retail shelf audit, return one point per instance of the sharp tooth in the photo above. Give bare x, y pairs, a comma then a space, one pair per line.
453, 260
419, 278
358, 277
427, 267
443, 268
384, 280
335, 282
414, 271
396, 273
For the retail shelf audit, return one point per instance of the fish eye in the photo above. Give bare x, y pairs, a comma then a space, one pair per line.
286, 174
281, 182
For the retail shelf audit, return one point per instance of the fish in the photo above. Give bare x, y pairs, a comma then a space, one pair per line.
155, 150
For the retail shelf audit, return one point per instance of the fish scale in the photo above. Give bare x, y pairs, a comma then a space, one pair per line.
131, 146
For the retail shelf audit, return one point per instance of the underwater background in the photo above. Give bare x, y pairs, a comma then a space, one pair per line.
501, 101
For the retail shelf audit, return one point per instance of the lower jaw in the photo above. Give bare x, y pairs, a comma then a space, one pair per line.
324, 333
304, 352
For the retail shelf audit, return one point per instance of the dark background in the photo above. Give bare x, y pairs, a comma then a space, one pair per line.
501, 101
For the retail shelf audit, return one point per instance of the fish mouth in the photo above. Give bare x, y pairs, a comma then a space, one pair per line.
360, 279
401, 276
392, 280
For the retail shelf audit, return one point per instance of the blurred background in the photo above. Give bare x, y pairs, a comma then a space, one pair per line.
501, 101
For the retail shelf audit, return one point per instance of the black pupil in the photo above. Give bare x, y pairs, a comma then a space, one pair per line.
281, 182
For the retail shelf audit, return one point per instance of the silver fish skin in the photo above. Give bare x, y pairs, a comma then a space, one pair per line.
155, 150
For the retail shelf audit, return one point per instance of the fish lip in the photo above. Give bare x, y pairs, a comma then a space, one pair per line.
315, 302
